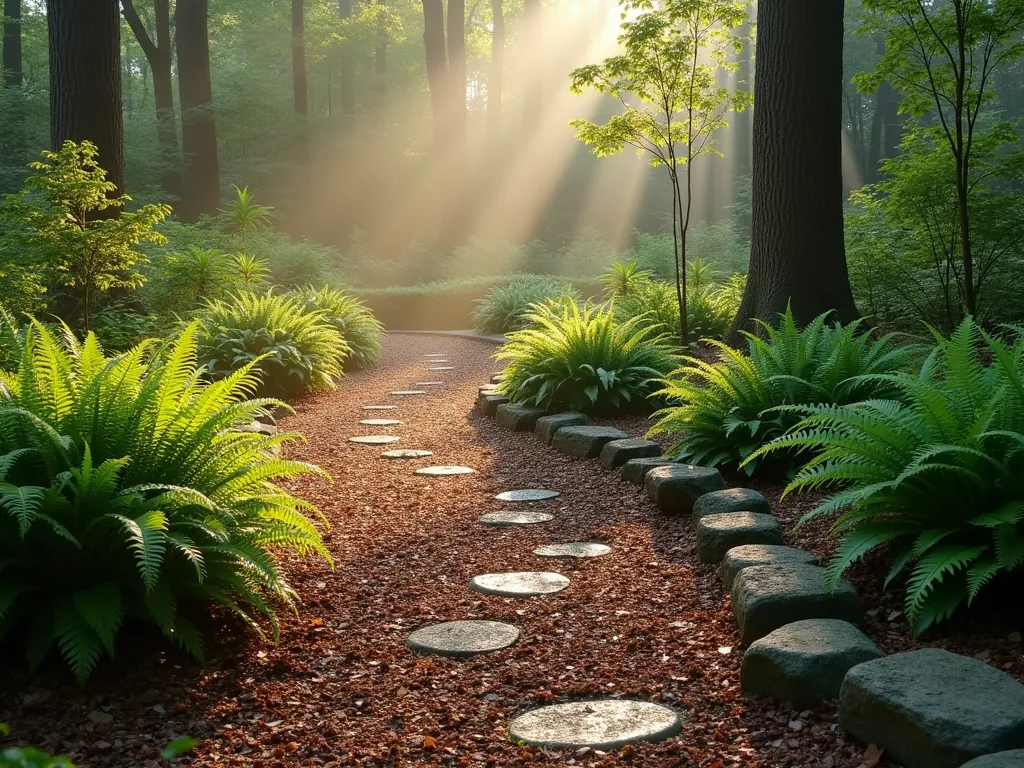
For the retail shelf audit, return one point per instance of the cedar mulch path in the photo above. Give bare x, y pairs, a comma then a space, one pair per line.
646, 621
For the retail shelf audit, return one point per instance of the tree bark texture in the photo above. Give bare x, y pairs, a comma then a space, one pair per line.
299, 81
496, 74
533, 50
12, 43
85, 79
457, 73
797, 252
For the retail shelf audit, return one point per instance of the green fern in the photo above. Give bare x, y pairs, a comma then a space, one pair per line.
355, 322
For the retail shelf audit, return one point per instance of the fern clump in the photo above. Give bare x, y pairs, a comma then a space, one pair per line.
581, 359
935, 473
295, 348
506, 306
726, 410
352, 319
127, 489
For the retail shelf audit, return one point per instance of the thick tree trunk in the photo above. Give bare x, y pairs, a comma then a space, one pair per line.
12, 43
299, 82
457, 73
85, 79
797, 253
437, 68
201, 175
159, 55
346, 79
496, 74
534, 54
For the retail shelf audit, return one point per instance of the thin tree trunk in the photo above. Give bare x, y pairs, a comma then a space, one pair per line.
797, 254
457, 73
496, 75
437, 68
13, 68
85, 80
380, 71
201, 175
533, 52
346, 79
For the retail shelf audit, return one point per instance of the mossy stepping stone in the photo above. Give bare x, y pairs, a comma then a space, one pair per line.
374, 439
445, 471
380, 422
462, 639
610, 724
409, 392
509, 518
407, 453
521, 584
527, 494
380, 407
578, 549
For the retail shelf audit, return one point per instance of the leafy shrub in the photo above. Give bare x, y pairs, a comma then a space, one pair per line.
293, 348
582, 359
351, 318
127, 492
506, 306
728, 409
937, 474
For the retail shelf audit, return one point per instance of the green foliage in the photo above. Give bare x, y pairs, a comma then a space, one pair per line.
581, 359
293, 348
128, 489
507, 305
622, 278
246, 215
351, 317
64, 224
725, 410
935, 474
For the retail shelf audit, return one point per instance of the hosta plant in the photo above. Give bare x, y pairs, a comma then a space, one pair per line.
723, 411
128, 490
934, 475
582, 359
506, 306
351, 318
294, 348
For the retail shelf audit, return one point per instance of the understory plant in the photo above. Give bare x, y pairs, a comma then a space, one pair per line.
723, 411
294, 348
506, 306
935, 474
127, 490
351, 317
582, 359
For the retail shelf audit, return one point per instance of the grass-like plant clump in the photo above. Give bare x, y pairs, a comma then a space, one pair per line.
352, 319
582, 359
506, 306
127, 491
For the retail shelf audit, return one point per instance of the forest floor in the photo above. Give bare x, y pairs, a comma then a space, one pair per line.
341, 688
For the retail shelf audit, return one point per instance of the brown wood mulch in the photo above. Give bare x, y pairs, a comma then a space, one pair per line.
647, 621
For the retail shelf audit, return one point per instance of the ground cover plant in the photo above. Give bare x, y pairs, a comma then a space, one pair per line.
351, 317
934, 474
128, 493
725, 410
583, 359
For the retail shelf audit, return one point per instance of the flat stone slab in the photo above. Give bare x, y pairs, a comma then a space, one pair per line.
462, 639
675, 489
409, 392
730, 500
738, 558
380, 422
509, 518
443, 367
618, 452
489, 403
374, 439
527, 494
766, 597
407, 453
576, 549
445, 471
635, 470
805, 662
521, 584
585, 442
519, 418
717, 534
497, 378
601, 725
932, 708
380, 407
547, 426
428, 383
1012, 759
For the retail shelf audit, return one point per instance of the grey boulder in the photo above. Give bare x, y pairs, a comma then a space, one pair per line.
618, 452
738, 558
1012, 759
519, 418
585, 442
766, 597
635, 470
675, 489
932, 708
729, 500
806, 661
717, 534
547, 426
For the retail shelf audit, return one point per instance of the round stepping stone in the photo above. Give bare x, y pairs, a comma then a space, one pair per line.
428, 383
374, 439
527, 494
462, 639
409, 392
380, 407
522, 584
595, 724
445, 471
502, 519
380, 422
407, 453
443, 367
575, 549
